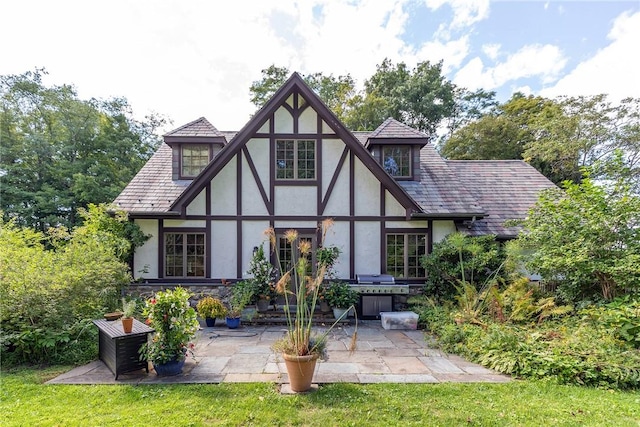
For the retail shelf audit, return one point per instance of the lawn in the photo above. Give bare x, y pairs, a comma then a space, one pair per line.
26, 401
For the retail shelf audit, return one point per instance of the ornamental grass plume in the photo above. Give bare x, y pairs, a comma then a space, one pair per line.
300, 284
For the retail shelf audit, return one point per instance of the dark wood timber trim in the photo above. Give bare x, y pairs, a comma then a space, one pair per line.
208, 244
383, 238
429, 236
239, 213
319, 166
352, 209
295, 136
161, 248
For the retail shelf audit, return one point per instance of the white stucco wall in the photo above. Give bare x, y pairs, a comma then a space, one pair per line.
295, 224
338, 236
407, 224
308, 122
367, 248
185, 223
146, 256
252, 201
367, 191
338, 203
198, 205
259, 151
331, 151
283, 121
223, 190
223, 249
295, 200
441, 229
392, 206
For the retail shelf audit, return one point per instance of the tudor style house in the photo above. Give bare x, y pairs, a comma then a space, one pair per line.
205, 197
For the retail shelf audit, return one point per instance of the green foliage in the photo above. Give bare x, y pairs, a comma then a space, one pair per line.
339, 295
263, 276
128, 307
60, 153
175, 324
242, 294
586, 238
582, 350
45, 293
210, 307
556, 136
463, 258
420, 98
622, 316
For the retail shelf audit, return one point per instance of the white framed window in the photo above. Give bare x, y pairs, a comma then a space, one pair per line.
295, 159
396, 160
404, 253
194, 158
184, 255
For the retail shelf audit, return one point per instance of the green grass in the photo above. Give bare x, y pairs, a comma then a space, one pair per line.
26, 401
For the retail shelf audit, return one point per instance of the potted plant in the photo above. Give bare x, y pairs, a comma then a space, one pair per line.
263, 277
241, 295
175, 324
301, 347
340, 297
128, 310
210, 308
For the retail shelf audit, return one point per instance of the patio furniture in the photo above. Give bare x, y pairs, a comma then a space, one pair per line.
119, 350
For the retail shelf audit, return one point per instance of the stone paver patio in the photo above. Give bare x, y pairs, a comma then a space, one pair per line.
245, 355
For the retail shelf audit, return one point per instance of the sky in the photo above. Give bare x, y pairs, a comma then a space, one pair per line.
186, 59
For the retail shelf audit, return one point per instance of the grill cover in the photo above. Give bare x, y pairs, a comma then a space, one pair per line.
376, 279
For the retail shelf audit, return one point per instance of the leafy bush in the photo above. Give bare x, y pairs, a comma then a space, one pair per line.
582, 350
458, 258
47, 293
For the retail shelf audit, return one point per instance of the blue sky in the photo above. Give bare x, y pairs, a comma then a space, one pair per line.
187, 59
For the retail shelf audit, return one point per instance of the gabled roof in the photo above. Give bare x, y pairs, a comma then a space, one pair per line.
439, 191
199, 130
152, 190
295, 84
506, 189
391, 129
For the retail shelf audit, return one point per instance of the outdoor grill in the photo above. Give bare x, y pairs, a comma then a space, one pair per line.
377, 294
379, 284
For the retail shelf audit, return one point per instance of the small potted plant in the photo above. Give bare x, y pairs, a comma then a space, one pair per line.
210, 308
340, 297
128, 310
241, 295
175, 324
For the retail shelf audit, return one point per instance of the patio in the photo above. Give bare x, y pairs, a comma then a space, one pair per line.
244, 355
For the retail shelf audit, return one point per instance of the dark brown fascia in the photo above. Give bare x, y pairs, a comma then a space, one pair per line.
151, 215
453, 217
172, 140
293, 84
396, 141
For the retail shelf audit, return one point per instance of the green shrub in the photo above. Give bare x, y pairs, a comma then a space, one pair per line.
47, 291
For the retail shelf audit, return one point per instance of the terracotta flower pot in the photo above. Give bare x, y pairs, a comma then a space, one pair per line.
127, 324
300, 370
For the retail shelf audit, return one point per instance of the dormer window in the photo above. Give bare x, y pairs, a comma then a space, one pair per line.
194, 158
396, 160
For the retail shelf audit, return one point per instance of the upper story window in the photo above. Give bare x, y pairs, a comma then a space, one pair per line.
396, 160
195, 157
295, 159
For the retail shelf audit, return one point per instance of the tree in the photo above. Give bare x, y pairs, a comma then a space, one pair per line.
420, 98
336, 92
60, 153
556, 136
587, 237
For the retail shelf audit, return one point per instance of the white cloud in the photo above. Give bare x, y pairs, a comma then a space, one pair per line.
452, 53
465, 12
614, 69
492, 50
542, 61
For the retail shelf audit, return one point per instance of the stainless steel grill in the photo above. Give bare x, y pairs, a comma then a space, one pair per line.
378, 284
